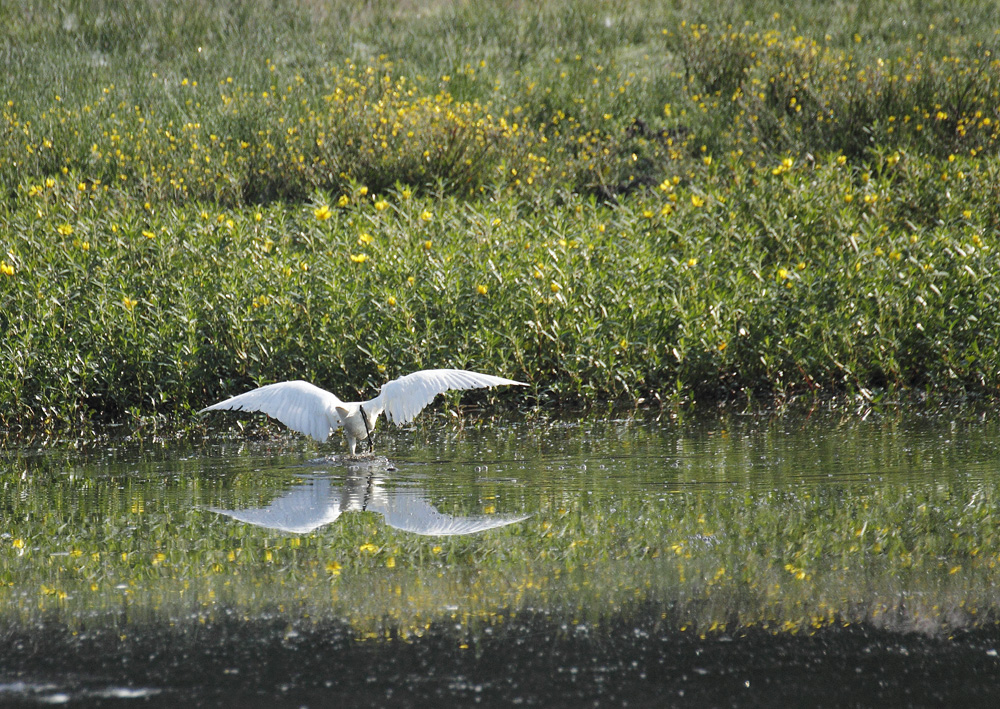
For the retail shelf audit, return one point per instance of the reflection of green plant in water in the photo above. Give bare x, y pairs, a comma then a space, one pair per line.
787, 559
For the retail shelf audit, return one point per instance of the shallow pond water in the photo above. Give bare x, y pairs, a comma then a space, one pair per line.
822, 559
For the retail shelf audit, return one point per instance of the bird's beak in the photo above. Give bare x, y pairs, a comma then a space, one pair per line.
368, 430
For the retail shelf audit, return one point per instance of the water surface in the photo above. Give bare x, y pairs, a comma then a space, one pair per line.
823, 559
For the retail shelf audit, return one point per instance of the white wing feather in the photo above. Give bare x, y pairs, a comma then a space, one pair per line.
301, 406
404, 398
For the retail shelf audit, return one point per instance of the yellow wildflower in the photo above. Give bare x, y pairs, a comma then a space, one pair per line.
555, 287
381, 205
343, 201
697, 201
6, 269
359, 258
322, 213
426, 215
64, 229
481, 289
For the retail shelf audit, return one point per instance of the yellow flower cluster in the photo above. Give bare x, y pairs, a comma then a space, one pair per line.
759, 91
784, 90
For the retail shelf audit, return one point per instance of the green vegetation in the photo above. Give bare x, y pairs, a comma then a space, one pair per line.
668, 203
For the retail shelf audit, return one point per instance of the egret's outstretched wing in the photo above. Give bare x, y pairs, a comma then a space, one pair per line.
302, 509
409, 511
404, 398
301, 406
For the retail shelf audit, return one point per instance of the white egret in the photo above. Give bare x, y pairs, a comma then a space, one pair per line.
306, 408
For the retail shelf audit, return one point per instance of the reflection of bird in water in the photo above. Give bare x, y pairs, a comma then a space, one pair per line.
318, 501
316, 412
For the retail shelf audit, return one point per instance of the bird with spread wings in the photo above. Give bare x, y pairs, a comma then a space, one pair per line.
308, 409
